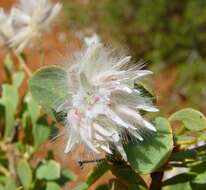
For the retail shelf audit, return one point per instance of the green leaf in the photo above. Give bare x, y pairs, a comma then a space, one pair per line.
82, 186
192, 119
202, 136
41, 132
33, 109
52, 186
10, 102
184, 155
199, 182
196, 154
200, 178
150, 154
10, 185
18, 78
3, 179
179, 186
199, 168
49, 170
97, 172
103, 187
180, 178
66, 176
49, 87
25, 173
128, 178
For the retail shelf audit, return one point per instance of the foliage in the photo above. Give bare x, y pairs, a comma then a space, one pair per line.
158, 154
23, 130
167, 33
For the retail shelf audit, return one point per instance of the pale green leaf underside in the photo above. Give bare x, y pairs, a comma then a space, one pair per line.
49, 87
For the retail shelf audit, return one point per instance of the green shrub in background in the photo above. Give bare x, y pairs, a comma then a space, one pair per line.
164, 33
159, 30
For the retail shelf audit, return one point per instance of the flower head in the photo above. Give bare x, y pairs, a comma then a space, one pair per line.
6, 30
30, 19
103, 102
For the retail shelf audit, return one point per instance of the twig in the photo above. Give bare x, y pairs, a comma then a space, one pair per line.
82, 162
12, 161
23, 64
156, 183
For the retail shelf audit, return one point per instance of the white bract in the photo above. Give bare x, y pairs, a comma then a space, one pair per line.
103, 103
30, 19
6, 30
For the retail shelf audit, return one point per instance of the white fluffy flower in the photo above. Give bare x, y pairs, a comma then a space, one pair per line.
103, 103
31, 18
6, 30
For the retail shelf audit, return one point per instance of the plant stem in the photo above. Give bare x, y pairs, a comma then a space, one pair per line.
156, 183
23, 64
42, 57
12, 161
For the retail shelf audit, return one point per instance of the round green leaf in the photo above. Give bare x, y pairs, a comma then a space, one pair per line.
52, 186
25, 173
151, 153
192, 119
49, 86
49, 170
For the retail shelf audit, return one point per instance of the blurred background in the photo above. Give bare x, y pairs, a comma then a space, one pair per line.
170, 36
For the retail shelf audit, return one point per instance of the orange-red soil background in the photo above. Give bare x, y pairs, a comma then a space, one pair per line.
55, 49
